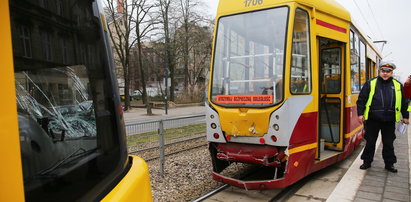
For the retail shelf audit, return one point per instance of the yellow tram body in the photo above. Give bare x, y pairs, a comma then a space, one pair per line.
311, 72
127, 181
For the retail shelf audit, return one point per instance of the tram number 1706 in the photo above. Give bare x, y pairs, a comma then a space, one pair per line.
248, 3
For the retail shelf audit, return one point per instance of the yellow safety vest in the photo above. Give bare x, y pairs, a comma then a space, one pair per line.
398, 98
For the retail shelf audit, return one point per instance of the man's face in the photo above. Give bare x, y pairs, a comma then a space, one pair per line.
385, 74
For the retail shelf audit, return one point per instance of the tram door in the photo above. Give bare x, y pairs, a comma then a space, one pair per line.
331, 63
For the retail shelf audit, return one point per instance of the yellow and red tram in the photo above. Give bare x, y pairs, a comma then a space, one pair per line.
285, 78
62, 129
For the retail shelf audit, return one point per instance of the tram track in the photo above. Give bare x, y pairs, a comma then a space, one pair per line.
176, 147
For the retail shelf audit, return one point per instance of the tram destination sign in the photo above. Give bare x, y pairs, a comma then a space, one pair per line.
244, 99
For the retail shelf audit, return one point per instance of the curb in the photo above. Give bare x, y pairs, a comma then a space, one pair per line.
349, 184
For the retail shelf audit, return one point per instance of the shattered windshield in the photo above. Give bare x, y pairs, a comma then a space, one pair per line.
249, 58
58, 98
71, 134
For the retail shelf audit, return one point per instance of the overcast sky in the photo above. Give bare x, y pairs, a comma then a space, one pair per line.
380, 20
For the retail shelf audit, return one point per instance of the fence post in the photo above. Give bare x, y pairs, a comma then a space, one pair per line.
161, 142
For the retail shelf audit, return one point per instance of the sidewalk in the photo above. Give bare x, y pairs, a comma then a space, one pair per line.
139, 114
375, 183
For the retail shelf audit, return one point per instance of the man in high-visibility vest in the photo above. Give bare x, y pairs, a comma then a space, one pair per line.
380, 104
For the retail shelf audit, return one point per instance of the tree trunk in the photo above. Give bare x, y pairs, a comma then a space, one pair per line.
146, 98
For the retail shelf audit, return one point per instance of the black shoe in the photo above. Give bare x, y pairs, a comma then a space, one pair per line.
391, 168
365, 166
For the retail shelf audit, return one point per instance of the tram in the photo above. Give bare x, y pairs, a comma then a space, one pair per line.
284, 81
62, 129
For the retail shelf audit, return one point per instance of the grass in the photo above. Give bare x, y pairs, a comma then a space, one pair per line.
169, 133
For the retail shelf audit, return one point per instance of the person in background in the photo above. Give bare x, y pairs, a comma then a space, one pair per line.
380, 104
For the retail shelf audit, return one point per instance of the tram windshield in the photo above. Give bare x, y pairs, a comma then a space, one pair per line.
69, 128
248, 66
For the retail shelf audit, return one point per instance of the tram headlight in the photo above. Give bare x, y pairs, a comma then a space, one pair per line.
213, 126
276, 127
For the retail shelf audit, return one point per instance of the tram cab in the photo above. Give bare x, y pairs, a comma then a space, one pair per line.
285, 77
62, 134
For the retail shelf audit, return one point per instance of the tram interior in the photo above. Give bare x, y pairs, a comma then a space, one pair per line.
330, 105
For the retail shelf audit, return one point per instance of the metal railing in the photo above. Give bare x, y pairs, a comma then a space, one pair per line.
156, 139
133, 128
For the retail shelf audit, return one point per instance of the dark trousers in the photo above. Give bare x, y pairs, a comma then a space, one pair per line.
372, 128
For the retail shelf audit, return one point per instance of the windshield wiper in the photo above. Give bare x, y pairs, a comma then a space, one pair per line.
64, 161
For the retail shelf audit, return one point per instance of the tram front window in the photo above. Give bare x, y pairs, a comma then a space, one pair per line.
70, 138
249, 59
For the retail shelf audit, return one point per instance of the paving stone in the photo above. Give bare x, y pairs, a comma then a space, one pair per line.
398, 184
396, 196
397, 179
389, 200
364, 200
396, 189
369, 195
373, 182
372, 189
376, 173
381, 185
374, 178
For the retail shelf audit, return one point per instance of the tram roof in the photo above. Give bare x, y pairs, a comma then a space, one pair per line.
327, 6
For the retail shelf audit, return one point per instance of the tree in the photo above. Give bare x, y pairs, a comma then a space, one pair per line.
143, 27
195, 49
129, 24
120, 28
195, 60
166, 19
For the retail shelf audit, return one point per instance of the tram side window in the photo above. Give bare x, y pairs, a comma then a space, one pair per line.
354, 61
300, 62
363, 71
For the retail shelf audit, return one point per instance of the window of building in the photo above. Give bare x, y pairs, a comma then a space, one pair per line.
59, 7
25, 38
64, 50
46, 43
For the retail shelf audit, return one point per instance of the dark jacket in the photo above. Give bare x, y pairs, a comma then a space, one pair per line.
383, 103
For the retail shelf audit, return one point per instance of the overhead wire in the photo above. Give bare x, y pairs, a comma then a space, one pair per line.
376, 22
365, 19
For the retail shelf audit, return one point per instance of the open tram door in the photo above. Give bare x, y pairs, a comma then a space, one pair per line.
331, 97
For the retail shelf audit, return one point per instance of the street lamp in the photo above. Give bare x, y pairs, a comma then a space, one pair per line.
166, 74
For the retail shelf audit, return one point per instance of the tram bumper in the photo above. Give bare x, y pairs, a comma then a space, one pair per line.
253, 185
254, 154
269, 157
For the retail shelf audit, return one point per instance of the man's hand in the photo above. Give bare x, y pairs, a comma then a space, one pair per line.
406, 121
361, 119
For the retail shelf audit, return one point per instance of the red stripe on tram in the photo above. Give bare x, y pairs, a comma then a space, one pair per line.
331, 26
